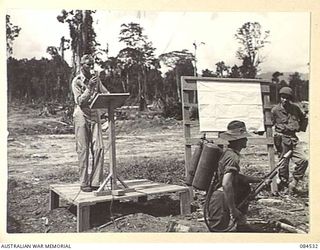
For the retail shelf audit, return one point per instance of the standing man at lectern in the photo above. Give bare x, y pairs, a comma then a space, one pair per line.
88, 132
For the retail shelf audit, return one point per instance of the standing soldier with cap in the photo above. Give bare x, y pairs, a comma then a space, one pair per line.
289, 119
88, 132
232, 187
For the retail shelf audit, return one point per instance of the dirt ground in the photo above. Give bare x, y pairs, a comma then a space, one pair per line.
41, 151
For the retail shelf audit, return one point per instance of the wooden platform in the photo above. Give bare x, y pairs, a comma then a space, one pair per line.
83, 201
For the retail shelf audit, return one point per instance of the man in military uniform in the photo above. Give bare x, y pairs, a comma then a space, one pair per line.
289, 119
232, 187
88, 132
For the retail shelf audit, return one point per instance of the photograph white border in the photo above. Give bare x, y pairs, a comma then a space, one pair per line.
179, 5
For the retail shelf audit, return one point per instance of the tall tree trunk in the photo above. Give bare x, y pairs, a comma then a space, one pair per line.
139, 85
127, 80
58, 94
145, 87
84, 34
142, 94
123, 86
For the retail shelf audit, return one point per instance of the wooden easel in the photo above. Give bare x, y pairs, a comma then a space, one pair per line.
189, 100
111, 102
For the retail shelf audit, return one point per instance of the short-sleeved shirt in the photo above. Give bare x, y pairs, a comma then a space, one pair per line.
228, 163
83, 97
290, 118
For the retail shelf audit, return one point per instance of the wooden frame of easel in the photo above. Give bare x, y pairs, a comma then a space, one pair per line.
189, 100
111, 102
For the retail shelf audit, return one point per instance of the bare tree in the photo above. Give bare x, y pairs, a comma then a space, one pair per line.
12, 32
252, 39
176, 60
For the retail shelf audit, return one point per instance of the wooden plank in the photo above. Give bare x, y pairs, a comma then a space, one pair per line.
251, 140
269, 123
83, 218
184, 81
102, 193
85, 199
104, 183
193, 87
131, 182
188, 105
76, 197
267, 107
187, 133
104, 100
77, 185
73, 189
191, 123
164, 189
185, 202
265, 88
192, 78
152, 185
118, 192
190, 86
191, 192
53, 200
69, 191
270, 147
97, 199
137, 184
67, 195
267, 117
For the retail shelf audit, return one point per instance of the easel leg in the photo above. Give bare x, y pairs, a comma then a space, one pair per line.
83, 218
122, 182
191, 192
53, 200
104, 183
185, 203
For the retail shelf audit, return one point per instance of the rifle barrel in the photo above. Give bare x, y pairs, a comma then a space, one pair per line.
269, 176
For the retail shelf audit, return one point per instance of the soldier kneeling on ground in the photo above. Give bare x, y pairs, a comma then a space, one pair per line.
232, 186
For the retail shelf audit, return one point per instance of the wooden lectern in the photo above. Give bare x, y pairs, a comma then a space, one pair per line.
111, 102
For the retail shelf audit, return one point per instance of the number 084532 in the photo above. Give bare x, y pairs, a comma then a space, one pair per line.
309, 246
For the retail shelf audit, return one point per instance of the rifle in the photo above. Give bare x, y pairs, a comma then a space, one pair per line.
266, 180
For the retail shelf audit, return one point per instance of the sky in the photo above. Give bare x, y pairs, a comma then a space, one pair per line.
288, 50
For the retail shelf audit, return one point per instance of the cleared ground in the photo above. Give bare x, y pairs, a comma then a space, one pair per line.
41, 151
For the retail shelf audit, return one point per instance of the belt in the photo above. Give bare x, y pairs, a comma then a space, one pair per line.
293, 134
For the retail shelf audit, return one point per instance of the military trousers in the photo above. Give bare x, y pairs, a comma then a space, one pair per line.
90, 150
298, 157
218, 211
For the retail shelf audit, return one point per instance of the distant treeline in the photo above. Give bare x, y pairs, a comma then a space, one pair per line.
35, 80
48, 80
135, 69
